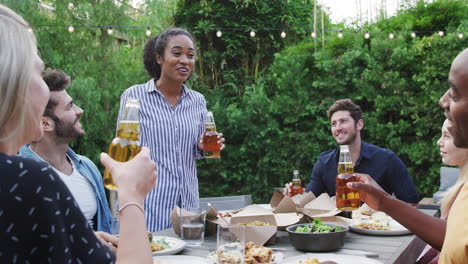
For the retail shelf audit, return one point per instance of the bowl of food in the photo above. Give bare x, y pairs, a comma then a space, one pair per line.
317, 236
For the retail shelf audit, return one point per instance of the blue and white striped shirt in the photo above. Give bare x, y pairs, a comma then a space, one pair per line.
172, 134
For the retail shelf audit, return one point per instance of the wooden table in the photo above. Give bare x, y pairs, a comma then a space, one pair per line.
390, 249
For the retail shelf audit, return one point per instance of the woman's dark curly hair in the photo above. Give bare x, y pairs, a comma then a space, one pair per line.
156, 46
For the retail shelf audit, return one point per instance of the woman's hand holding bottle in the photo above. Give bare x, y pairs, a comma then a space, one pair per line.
134, 178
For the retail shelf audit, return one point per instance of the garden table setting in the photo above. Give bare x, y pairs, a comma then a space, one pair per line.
359, 245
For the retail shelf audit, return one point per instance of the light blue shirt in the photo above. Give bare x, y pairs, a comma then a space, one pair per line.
89, 170
171, 134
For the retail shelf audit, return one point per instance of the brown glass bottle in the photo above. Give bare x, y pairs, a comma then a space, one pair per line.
296, 187
211, 147
346, 199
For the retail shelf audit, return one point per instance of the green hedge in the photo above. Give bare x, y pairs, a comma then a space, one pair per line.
271, 107
280, 123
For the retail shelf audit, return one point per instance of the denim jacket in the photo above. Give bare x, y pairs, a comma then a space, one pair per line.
87, 168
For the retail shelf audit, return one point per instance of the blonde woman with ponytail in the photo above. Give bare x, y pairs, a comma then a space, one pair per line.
452, 156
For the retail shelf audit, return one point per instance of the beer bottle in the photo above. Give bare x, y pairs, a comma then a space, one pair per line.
345, 164
346, 199
296, 187
126, 144
211, 148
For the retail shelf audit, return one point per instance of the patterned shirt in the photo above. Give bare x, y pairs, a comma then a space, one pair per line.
40, 222
172, 134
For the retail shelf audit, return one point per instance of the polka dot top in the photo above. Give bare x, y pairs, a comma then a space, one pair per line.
40, 222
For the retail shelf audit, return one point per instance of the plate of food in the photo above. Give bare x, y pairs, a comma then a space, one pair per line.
178, 259
367, 221
254, 254
162, 245
314, 258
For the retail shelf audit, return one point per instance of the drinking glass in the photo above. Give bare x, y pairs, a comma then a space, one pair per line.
230, 244
192, 226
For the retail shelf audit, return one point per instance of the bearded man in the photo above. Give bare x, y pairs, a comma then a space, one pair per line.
383, 164
61, 123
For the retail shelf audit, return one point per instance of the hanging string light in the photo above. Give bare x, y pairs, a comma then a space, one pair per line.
252, 32
71, 5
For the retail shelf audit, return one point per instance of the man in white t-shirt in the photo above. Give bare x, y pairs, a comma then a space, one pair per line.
61, 123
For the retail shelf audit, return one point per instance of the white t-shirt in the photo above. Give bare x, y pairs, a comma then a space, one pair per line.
82, 191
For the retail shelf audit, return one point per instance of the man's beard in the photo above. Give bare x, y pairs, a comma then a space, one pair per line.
352, 137
67, 130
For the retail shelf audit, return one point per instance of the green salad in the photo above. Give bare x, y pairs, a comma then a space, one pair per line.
317, 227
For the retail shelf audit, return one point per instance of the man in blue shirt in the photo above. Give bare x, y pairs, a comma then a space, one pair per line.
61, 124
382, 164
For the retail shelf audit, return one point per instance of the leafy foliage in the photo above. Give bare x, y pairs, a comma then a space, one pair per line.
279, 124
235, 60
100, 65
269, 95
427, 17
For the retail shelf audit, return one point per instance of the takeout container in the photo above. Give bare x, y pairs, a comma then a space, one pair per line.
260, 235
307, 204
317, 242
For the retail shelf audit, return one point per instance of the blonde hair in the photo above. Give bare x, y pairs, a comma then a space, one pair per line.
453, 191
17, 50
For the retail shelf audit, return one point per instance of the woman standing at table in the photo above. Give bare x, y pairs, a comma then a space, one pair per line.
171, 123
452, 156
40, 221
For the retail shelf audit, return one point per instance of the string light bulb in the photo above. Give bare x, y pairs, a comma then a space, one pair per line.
391, 35
413, 34
367, 35
460, 35
219, 33
340, 34
441, 33
148, 32
71, 5
71, 29
30, 30
252, 33
313, 34
110, 31
283, 34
